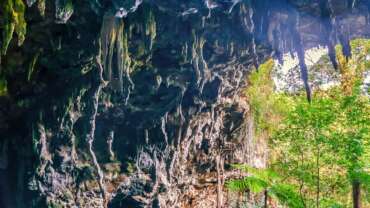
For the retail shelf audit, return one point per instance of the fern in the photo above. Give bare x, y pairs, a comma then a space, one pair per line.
264, 174
286, 195
260, 180
250, 183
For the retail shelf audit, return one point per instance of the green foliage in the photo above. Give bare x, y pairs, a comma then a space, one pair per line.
331, 203
267, 107
264, 174
265, 180
250, 183
287, 195
353, 135
323, 144
309, 146
322, 147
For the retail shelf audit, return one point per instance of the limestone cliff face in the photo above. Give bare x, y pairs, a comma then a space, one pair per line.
140, 103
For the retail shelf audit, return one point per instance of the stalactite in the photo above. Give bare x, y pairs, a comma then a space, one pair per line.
304, 74
330, 34
146, 134
124, 64
344, 41
335, 30
109, 32
301, 57
115, 48
41, 7
199, 64
150, 28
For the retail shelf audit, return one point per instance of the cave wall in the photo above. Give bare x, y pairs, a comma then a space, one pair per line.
140, 103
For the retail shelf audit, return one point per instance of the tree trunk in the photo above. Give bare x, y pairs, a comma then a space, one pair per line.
318, 177
219, 164
266, 199
356, 194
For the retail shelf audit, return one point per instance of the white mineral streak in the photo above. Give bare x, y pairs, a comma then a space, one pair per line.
235, 2
30, 2
146, 134
199, 64
91, 135
122, 12
210, 5
110, 144
163, 127
136, 6
189, 11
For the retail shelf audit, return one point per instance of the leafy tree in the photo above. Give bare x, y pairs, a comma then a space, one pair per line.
351, 139
303, 137
324, 144
322, 148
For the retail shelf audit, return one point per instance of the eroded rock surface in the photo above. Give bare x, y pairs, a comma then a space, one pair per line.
140, 103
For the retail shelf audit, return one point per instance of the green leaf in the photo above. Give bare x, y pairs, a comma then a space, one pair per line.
253, 184
286, 195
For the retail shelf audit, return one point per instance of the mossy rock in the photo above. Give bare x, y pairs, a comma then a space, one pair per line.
13, 21
113, 167
85, 172
3, 87
130, 168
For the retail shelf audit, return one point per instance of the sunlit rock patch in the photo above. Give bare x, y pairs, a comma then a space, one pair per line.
287, 77
366, 86
321, 72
